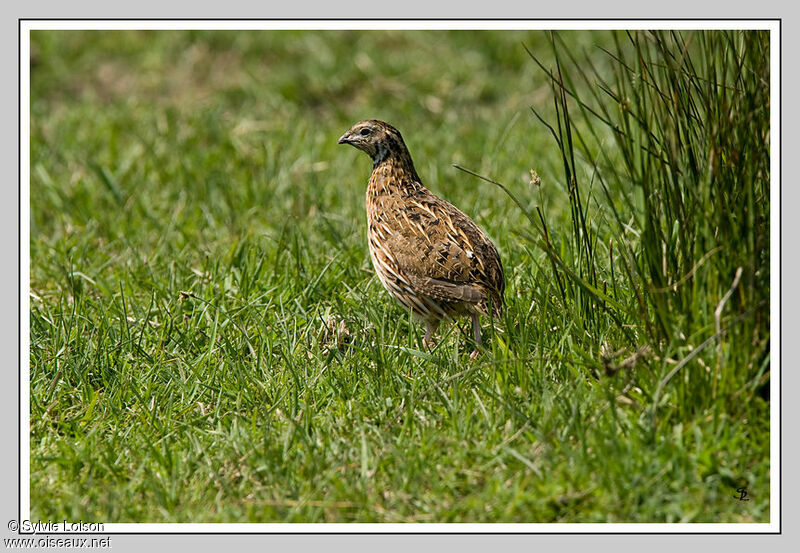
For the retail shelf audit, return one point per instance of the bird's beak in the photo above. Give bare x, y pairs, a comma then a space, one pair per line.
344, 139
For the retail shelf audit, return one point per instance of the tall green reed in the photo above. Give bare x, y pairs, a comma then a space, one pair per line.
674, 133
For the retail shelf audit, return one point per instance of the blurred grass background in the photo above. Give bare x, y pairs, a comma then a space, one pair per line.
209, 343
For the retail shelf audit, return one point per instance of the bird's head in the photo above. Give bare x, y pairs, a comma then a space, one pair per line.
377, 139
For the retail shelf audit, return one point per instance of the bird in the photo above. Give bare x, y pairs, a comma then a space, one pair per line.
431, 257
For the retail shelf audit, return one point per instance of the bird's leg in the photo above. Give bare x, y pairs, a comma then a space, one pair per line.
430, 327
476, 330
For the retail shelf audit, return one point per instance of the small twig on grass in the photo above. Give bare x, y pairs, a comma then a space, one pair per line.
694, 353
717, 324
682, 364
724, 300
627, 363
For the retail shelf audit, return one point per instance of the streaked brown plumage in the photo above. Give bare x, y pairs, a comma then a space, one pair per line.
428, 255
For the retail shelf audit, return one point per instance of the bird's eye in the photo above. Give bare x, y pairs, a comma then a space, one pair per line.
365, 131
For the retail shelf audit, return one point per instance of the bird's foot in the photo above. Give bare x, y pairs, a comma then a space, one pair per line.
474, 355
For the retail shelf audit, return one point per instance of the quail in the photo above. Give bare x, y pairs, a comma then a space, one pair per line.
430, 256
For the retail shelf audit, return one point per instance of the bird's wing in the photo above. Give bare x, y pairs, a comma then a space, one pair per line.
446, 291
441, 251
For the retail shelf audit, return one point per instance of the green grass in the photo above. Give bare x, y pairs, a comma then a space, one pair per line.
209, 342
